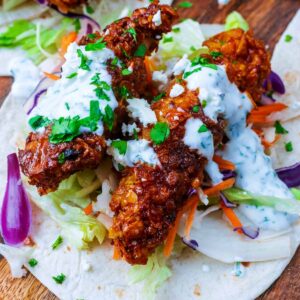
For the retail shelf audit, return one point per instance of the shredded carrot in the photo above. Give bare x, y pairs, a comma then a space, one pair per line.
191, 216
260, 114
268, 144
148, 66
190, 204
223, 164
51, 76
66, 41
232, 217
226, 184
117, 254
89, 209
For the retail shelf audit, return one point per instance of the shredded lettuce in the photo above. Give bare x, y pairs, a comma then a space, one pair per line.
185, 38
36, 40
240, 196
236, 20
153, 274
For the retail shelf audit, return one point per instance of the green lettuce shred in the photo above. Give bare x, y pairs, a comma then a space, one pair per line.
236, 20
153, 274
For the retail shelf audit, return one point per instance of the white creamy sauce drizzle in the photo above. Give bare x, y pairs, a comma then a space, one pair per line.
176, 90
129, 129
140, 109
254, 169
78, 91
137, 151
157, 18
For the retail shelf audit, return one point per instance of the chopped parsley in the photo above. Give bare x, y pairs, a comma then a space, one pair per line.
72, 75
215, 54
115, 61
57, 242
120, 145
288, 147
38, 122
101, 87
159, 133
91, 35
203, 62
158, 97
202, 128
288, 38
176, 29
126, 72
132, 32
167, 39
61, 158
187, 74
193, 48
67, 105
89, 10
279, 129
135, 134
196, 108
185, 4
85, 62
108, 117
99, 45
204, 103
140, 51
77, 25
124, 93
32, 262
59, 279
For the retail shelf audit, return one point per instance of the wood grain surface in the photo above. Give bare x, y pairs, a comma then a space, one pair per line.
268, 18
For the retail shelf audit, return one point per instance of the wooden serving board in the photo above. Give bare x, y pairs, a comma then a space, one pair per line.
268, 18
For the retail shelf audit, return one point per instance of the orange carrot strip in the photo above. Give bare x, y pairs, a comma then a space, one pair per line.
117, 254
223, 164
232, 217
268, 109
51, 76
148, 69
190, 218
226, 184
66, 41
89, 209
268, 144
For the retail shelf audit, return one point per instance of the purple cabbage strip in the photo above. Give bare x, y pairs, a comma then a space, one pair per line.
252, 233
190, 243
290, 175
275, 83
36, 100
226, 202
16, 209
228, 174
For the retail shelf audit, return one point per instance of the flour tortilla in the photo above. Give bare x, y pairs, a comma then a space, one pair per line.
108, 279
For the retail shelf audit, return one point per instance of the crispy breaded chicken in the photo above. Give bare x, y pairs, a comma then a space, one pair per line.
148, 198
39, 159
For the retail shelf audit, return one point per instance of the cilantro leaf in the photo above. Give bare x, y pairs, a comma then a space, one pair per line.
185, 4
204, 103
203, 62
38, 122
97, 46
196, 108
187, 74
126, 72
61, 158
120, 145
123, 91
279, 129
59, 279
72, 75
90, 10
57, 242
140, 51
132, 32
77, 25
159, 133
202, 128
85, 62
215, 54
108, 117
288, 38
32, 262
289, 147
158, 97
167, 39
176, 29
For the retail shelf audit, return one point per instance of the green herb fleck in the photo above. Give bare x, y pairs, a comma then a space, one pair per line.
176, 29
59, 279
140, 51
158, 97
72, 75
185, 4
203, 62
120, 145
97, 46
77, 25
126, 72
187, 74
202, 128
193, 48
108, 117
215, 54
90, 10
167, 39
32, 262
92, 36
288, 147
288, 38
132, 32
38, 122
159, 133
115, 61
85, 62
196, 108
204, 103
101, 87
279, 129
67, 105
124, 93
61, 158
135, 134
57, 242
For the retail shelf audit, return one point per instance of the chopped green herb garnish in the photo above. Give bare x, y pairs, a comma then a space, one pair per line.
91, 35
67, 105
279, 129
108, 117
185, 4
120, 167
135, 134
101, 87
77, 25
204, 103
61, 158
288, 147
98, 45
132, 32
72, 75
120, 145
167, 39
126, 72
124, 93
90, 10
196, 108
215, 54
32, 262
85, 62
159, 133
192, 48
187, 74
176, 29
140, 51
158, 97
59, 279
115, 61
38, 122
202, 128
57, 242
288, 38
95, 114
203, 62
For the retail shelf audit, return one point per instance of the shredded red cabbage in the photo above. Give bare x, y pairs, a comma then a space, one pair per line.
228, 174
266, 100
16, 209
274, 83
290, 175
190, 243
252, 233
226, 202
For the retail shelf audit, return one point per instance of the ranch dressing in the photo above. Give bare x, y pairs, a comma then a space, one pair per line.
254, 169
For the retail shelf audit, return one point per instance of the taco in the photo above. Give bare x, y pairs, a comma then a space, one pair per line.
153, 164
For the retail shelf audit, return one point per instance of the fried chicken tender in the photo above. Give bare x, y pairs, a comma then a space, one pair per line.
148, 198
39, 160
246, 59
